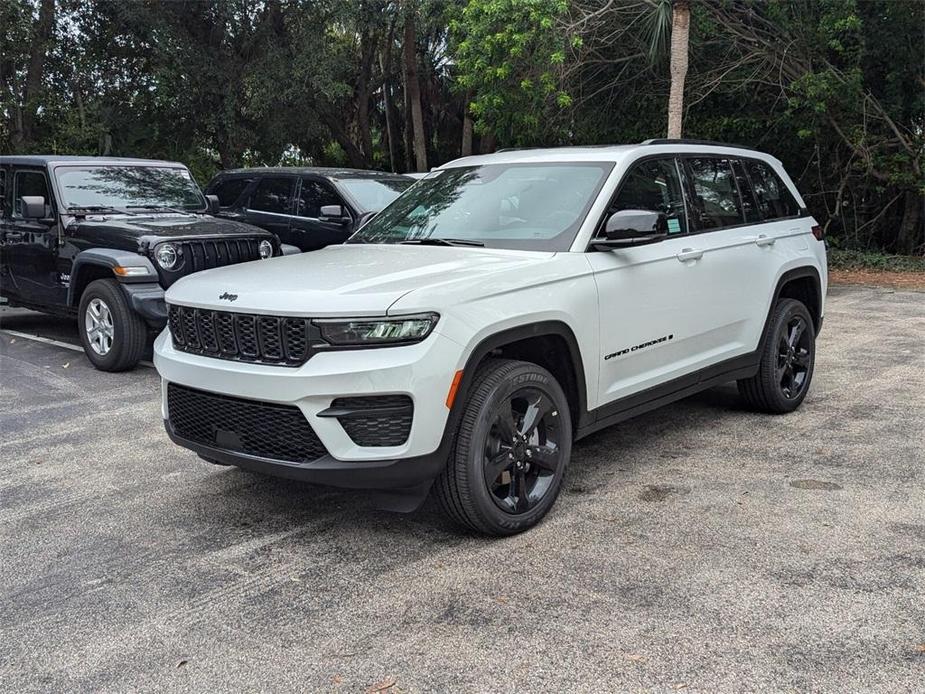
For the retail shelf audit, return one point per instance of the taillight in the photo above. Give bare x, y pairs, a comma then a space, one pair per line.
818, 232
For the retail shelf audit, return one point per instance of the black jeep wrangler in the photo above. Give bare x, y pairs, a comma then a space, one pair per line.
103, 238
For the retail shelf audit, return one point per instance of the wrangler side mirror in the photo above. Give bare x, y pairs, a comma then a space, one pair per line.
33, 206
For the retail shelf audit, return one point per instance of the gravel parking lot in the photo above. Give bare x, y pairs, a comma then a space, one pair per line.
699, 547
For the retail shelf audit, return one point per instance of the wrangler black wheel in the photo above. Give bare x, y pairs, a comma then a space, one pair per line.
512, 448
787, 361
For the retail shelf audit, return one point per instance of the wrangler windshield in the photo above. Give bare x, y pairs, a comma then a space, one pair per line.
126, 187
518, 206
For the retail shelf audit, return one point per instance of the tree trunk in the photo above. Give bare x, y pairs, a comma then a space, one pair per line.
680, 32
385, 65
466, 148
22, 136
487, 143
909, 240
367, 55
414, 93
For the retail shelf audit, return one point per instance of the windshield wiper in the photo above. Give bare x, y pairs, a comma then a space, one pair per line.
95, 209
439, 241
158, 207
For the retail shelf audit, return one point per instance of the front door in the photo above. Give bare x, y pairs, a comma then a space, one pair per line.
30, 246
270, 205
311, 231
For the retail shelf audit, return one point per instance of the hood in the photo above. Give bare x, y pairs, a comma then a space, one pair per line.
348, 280
157, 227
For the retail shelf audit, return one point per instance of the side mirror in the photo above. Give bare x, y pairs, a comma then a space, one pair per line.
213, 203
332, 212
33, 206
632, 228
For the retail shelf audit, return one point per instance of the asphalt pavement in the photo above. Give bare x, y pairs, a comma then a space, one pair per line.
699, 547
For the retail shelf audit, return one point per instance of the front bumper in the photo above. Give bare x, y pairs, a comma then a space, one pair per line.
423, 372
147, 300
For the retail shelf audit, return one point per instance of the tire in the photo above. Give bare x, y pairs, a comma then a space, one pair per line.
504, 394
786, 369
103, 307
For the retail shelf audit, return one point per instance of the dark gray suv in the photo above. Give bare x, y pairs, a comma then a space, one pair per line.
306, 207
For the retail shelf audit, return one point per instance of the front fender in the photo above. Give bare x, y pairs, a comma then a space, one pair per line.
109, 258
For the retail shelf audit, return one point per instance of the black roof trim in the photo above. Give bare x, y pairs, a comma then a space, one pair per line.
329, 171
681, 141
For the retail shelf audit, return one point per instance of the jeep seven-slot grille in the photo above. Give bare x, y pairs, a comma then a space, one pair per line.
208, 253
266, 430
240, 336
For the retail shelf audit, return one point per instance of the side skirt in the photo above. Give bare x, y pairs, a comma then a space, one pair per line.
733, 369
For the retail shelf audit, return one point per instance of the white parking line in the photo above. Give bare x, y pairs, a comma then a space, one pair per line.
57, 343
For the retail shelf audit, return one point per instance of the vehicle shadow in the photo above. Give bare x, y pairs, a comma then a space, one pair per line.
251, 498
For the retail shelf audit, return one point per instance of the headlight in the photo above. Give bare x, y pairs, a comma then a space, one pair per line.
378, 331
166, 255
266, 249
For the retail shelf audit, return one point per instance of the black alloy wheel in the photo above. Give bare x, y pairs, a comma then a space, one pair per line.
794, 358
522, 452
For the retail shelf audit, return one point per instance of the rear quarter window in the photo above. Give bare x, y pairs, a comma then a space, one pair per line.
772, 197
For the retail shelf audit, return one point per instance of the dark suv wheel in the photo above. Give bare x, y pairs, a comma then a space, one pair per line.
787, 361
512, 447
113, 335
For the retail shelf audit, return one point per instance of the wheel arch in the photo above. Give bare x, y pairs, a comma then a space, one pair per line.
551, 344
804, 284
100, 263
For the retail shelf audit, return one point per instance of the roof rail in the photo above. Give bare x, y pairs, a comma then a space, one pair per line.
666, 141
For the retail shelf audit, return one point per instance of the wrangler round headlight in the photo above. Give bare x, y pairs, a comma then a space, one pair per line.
266, 249
166, 255
378, 331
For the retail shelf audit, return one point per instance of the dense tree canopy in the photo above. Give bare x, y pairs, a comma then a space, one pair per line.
834, 88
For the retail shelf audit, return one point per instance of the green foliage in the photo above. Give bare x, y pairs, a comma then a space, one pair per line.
866, 260
511, 56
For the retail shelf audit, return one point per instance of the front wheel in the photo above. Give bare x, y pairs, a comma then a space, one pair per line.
512, 447
787, 361
113, 335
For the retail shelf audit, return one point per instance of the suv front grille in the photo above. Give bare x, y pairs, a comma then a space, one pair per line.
266, 430
208, 253
374, 420
260, 339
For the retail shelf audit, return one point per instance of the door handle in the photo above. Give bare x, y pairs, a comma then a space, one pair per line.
764, 240
689, 254
12, 235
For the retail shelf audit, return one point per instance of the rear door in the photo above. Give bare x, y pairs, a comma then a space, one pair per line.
310, 231
271, 205
30, 246
729, 229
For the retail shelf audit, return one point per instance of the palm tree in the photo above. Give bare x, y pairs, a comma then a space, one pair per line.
675, 14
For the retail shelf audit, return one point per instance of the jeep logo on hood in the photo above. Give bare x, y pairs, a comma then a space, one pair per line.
228, 297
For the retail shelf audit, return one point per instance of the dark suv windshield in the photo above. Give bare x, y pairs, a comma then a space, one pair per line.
519, 206
125, 187
375, 193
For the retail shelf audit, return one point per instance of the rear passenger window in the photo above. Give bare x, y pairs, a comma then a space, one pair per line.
229, 190
773, 198
654, 185
29, 183
2, 193
749, 204
273, 195
716, 201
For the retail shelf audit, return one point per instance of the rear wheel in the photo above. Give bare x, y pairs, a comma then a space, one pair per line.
113, 335
787, 361
512, 447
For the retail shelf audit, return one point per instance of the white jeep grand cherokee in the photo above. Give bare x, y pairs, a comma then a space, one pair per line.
499, 309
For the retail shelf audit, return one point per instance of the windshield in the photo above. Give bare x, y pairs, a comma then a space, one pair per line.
128, 187
374, 194
518, 206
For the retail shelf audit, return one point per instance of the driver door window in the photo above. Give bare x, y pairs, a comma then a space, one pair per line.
313, 196
656, 186
29, 183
